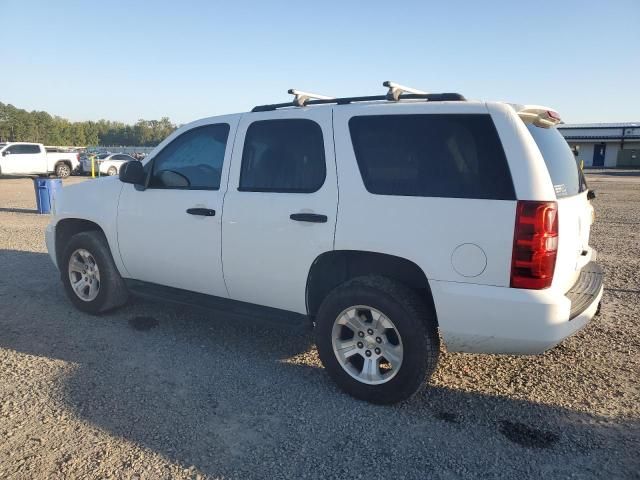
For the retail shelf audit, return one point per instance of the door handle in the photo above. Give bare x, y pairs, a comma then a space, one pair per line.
205, 212
308, 217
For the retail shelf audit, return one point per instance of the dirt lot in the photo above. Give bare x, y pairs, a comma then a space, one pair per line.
182, 393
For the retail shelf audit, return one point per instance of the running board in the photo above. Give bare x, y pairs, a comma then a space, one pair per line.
248, 311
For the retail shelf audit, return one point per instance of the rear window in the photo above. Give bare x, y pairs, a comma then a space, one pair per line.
562, 164
432, 155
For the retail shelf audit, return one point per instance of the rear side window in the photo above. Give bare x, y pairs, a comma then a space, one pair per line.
561, 163
192, 160
456, 156
283, 156
23, 149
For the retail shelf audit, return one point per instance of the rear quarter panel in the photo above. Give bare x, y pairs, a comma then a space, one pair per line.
425, 230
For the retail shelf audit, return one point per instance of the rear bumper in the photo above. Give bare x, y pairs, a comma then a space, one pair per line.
488, 319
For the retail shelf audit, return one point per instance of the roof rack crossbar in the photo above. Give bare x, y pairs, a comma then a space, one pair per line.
395, 90
301, 98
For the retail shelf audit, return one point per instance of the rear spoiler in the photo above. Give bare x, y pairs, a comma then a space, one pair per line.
538, 115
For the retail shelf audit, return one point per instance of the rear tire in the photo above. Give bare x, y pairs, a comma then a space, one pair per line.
63, 170
89, 274
415, 349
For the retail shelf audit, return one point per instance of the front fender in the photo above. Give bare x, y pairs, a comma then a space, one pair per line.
95, 201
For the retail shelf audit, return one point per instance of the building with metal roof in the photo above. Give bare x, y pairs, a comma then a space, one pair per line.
604, 144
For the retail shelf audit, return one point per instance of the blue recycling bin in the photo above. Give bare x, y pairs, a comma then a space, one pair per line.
46, 191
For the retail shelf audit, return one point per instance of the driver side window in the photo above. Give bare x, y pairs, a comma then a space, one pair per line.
193, 160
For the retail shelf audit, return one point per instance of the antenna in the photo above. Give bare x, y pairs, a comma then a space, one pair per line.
302, 97
395, 90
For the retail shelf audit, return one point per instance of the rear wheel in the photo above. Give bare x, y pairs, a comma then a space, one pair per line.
89, 274
63, 170
377, 339
112, 171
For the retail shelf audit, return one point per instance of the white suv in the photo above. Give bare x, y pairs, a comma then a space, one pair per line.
391, 222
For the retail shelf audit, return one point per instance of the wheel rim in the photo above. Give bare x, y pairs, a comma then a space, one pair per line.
367, 345
84, 275
63, 171
112, 171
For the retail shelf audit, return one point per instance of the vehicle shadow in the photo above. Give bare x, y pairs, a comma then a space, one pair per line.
238, 400
18, 210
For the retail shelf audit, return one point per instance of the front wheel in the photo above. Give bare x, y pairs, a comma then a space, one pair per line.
112, 171
63, 170
377, 339
90, 277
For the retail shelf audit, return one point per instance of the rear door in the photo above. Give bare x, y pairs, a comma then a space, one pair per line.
280, 207
575, 213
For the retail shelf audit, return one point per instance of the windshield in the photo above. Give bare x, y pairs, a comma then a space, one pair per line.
561, 163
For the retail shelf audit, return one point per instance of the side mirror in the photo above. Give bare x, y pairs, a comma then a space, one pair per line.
591, 194
132, 172
5, 153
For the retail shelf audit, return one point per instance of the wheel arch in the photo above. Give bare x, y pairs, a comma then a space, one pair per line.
333, 268
65, 162
67, 228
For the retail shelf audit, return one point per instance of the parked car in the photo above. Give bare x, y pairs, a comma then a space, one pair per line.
110, 165
391, 222
22, 158
106, 163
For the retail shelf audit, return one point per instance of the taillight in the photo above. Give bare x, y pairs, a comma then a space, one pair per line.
535, 245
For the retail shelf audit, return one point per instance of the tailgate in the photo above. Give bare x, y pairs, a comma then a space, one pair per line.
575, 216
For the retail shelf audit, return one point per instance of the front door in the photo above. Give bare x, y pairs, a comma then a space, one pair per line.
170, 233
598, 154
280, 208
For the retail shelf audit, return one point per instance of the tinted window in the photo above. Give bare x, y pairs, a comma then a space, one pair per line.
192, 160
283, 156
121, 157
24, 149
458, 156
561, 163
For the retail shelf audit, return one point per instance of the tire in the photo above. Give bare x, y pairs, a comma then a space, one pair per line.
417, 337
112, 171
111, 290
63, 170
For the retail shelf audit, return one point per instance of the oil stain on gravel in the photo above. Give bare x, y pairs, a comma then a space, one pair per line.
527, 436
143, 323
448, 417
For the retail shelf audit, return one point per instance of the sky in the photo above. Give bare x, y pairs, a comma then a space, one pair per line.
188, 59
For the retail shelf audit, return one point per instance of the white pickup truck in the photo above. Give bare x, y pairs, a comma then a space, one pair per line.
20, 158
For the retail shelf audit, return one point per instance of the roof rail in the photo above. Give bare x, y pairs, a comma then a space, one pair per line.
395, 90
302, 97
396, 93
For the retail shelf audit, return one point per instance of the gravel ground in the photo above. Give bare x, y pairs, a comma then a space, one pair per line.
158, 391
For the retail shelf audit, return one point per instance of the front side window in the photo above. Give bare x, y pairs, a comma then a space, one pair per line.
431, 155
283, 156
193, 160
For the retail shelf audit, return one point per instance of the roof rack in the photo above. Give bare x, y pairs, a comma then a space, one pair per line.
396, 93
302, 97
395, 90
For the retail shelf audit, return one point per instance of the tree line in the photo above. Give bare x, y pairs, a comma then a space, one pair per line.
17, 125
